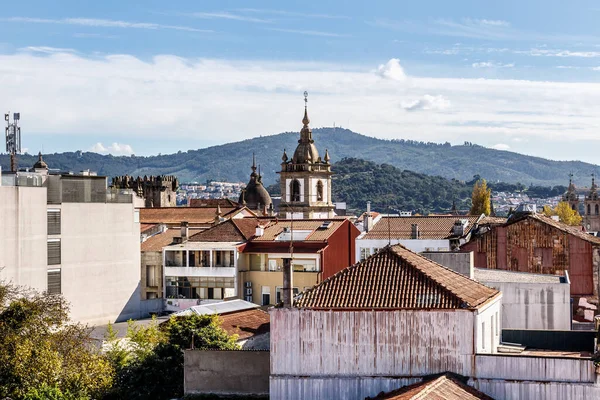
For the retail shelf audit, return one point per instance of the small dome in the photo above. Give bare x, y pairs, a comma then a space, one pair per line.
306, 153
40, 164
255, 195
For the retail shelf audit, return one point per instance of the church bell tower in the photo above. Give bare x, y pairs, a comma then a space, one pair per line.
306, 179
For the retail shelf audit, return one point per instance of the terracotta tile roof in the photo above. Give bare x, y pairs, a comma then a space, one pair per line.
434, 227
572, 230
213, 203
247, 323
232, 230
284, 247
157, 242
445, 387
396, 278
176, 215
146, 227
492, 221
319, 234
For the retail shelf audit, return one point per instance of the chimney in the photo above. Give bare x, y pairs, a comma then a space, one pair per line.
414, 231
260, 230
184, 231
368, 222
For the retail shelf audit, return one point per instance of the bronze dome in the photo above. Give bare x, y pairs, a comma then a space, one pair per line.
40, 164
255, 196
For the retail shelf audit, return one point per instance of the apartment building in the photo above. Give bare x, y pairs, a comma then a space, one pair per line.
66, 233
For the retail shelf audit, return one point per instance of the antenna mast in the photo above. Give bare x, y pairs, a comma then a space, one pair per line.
13, 138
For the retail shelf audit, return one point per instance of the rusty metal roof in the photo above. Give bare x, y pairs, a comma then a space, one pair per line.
572, 230
432, 227
396, 278
445, 387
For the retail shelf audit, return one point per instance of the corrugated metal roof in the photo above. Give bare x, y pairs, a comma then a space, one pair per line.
434, 227
497, 275
396, 278
444, 387
572, 230
221, 307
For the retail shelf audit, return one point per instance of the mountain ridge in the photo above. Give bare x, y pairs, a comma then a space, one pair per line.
231, 161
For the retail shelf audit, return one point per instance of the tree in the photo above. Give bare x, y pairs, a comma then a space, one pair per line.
42, 355
149, 361
480, 198
565, 213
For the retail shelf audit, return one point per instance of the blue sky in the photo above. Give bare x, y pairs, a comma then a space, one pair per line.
155, 77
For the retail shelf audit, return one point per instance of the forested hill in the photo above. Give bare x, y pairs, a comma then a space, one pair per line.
232, 161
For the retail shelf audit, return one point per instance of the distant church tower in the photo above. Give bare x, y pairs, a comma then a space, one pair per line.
306, 179
571, 195
591, 217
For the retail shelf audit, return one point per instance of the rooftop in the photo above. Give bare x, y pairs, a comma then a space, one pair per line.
321, 230
160, 240
445, 387
496, 275
572, 230
396, 278
232, 230
176, 215
433, 227
222, 307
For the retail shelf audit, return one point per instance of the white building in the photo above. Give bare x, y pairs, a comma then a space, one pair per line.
378, 325
530, 301
65, 233
419, 233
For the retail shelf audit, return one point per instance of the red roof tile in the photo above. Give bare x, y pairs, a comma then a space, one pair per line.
318, 232
233, 230
158, 241
434, 227
444, 387
396, 278
176, 215
246, 323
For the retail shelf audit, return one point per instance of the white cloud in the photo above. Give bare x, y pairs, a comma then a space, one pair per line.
392, 70
427, 102
490, 22
117, 149
46, 49
490, 64
167, 98
103, 23
284, 13
308, 32
501, 146
227, 15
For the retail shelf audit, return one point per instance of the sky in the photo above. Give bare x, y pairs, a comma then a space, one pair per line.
150, 77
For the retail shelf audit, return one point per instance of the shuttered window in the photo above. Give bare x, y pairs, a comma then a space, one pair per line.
54, 252
54, 281
54, 222
151, 278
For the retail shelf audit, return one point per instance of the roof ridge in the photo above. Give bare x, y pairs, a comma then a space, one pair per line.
460, 276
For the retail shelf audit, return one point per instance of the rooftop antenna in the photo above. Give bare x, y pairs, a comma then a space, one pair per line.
13, 138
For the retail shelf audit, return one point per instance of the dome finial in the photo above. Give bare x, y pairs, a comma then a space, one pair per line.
253, 165
284, 158
327, 158
305, 120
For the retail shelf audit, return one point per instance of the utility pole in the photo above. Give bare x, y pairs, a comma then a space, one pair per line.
288, 269
13, 138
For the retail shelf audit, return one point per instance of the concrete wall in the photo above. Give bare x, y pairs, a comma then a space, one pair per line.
100, 261
461, 262
269, 281
226, 372
23, 236
488, 327
155, 260
520, 390
534, 305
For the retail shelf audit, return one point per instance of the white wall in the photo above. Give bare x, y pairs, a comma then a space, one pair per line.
488, 327
100, 261
23, 236
534, 305
416, 245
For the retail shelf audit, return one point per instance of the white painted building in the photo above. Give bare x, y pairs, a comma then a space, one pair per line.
530, 301
417, 233
66, 234
387, 321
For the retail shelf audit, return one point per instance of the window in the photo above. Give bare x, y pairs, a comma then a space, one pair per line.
54, 281
589, 209
319, 191
231, 258
492, 330
266, 295
151, 278
497, 327
54, 222
376, 249
54, 252
597, 210
278, 295
483, 335
218, 257
365, 252
295, 190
